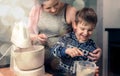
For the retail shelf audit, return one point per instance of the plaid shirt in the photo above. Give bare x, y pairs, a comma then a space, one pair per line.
69, 41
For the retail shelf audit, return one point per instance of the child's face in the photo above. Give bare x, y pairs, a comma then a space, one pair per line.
52, 6
83, 31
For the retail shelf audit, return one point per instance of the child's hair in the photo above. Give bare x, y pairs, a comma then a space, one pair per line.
86, 14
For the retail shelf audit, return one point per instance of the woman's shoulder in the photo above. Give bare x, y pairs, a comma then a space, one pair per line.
70, 8
35, 9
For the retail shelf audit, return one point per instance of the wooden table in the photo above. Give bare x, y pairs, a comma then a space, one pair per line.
8, 72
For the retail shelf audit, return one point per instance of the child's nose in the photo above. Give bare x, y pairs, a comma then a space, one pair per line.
85, 33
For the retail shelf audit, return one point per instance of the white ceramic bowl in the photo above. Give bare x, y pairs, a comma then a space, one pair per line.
29, 58
36, 72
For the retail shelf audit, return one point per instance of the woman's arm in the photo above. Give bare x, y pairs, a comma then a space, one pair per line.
33, 19
95, 55
32, 24
70, 15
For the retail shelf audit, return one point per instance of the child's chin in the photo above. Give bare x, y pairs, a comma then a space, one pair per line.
82, 41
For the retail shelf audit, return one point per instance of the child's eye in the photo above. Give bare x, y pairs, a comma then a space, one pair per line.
91, 29
48, 8
82, 28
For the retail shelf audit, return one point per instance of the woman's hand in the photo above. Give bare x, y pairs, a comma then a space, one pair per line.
95, 55
41, 38
73, 52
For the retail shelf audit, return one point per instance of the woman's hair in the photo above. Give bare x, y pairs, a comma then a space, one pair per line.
86, 14
41, 1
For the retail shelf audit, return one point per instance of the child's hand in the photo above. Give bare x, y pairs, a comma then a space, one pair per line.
73, 52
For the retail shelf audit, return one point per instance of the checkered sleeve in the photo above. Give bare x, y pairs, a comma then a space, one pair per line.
59, 48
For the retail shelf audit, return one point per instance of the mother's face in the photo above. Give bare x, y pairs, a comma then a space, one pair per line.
52, 6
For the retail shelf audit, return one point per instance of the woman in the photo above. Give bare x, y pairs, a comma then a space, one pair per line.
49, 21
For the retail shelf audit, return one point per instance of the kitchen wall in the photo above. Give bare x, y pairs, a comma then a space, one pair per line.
11, 12
111, 19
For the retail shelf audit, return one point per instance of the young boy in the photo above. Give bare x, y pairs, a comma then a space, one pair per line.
76, 45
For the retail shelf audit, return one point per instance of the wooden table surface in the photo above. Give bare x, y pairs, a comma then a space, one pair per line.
8, 72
